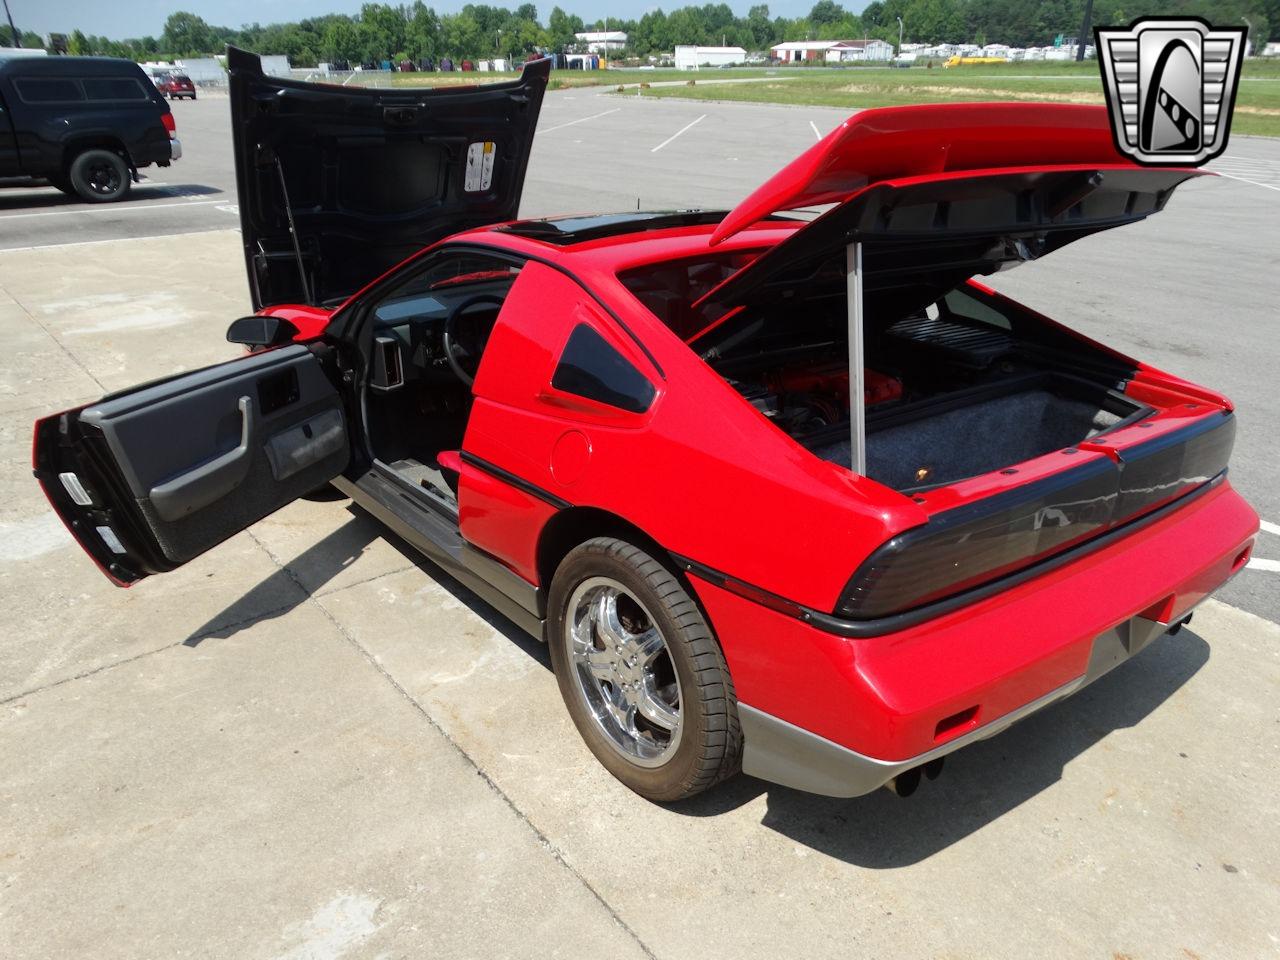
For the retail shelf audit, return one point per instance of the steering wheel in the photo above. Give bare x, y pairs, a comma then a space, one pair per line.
455, 352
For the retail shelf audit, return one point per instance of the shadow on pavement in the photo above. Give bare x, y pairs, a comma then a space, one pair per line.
280, 592
980, 783
320, 563
35, 196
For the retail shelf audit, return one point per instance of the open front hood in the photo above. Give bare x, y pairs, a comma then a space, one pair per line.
938, 194
338, 184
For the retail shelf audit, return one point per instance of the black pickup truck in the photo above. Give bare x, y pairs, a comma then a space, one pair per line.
85, 124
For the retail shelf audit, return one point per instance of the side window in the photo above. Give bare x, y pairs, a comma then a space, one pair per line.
590, 367
113, 88
48, 89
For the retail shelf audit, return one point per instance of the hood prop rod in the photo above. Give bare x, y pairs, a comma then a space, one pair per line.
857, 360
293, 232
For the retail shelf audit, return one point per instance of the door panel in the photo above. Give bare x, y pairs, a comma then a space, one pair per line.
153, 477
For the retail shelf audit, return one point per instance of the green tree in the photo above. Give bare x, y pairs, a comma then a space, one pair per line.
422, 36
340, 40
382, 30
185, 34
562, 26
826, 11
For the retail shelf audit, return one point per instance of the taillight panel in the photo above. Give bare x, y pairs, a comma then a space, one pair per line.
975, 544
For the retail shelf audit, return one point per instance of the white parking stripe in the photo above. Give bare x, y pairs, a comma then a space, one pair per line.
113, 208
687, 126
95, 243
1270, 566
561, 126
1264, 186
1269, 527
816, 132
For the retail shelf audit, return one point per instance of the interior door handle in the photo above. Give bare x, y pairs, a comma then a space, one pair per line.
211, 481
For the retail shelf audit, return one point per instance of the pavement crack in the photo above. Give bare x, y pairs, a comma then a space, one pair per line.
234, 626
58, 343
557, 854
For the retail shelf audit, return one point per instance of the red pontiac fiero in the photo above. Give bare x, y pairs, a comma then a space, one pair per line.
797, 497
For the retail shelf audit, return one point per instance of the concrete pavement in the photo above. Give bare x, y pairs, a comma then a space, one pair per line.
310, 743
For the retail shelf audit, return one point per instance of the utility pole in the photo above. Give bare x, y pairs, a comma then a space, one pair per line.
17, 40
899, 36
1082, 41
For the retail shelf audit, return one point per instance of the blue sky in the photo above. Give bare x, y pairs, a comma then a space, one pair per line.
134, 18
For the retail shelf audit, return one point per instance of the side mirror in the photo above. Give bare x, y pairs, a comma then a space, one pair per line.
261, 331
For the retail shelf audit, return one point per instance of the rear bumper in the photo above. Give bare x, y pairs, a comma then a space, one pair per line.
841, 715
783, 753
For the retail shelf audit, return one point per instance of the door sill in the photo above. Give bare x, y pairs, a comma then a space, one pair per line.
416, 519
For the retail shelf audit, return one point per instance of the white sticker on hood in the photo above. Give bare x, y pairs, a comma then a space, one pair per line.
479, 166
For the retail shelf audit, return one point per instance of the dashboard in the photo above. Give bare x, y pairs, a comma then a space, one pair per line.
409, 331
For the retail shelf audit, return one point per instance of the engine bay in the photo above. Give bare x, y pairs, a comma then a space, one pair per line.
950, 391
802, 398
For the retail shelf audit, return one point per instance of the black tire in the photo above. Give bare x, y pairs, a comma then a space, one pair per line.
99, 176
709, 748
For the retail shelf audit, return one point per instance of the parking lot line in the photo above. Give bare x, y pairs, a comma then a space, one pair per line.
1258, 563
108, 209
561, 126
1231, 176
1270, 527
816, 132
687, 126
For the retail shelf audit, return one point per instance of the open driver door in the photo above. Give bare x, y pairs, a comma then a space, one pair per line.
149, 478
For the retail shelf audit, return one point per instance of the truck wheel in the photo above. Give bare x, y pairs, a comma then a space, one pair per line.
643, 678
99, 176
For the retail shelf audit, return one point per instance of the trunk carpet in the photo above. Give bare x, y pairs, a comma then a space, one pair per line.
974, 439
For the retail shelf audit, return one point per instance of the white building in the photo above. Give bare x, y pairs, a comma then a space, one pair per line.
861, 50
202, 70
831, 51
601, 41
692, 58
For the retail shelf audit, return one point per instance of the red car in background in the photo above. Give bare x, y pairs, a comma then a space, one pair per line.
175, 86
804, 499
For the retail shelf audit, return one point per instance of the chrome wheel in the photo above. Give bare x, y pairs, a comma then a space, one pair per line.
623, 671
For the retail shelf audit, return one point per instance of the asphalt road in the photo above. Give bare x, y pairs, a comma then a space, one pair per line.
311, 743
1194, 291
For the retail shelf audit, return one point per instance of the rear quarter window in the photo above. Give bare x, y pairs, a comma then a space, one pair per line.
590, 367
49, 89
114, 88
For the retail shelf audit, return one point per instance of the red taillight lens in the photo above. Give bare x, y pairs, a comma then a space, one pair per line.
169, 124
969, 546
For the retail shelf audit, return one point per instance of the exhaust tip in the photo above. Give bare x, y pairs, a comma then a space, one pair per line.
933, 769
905, 783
